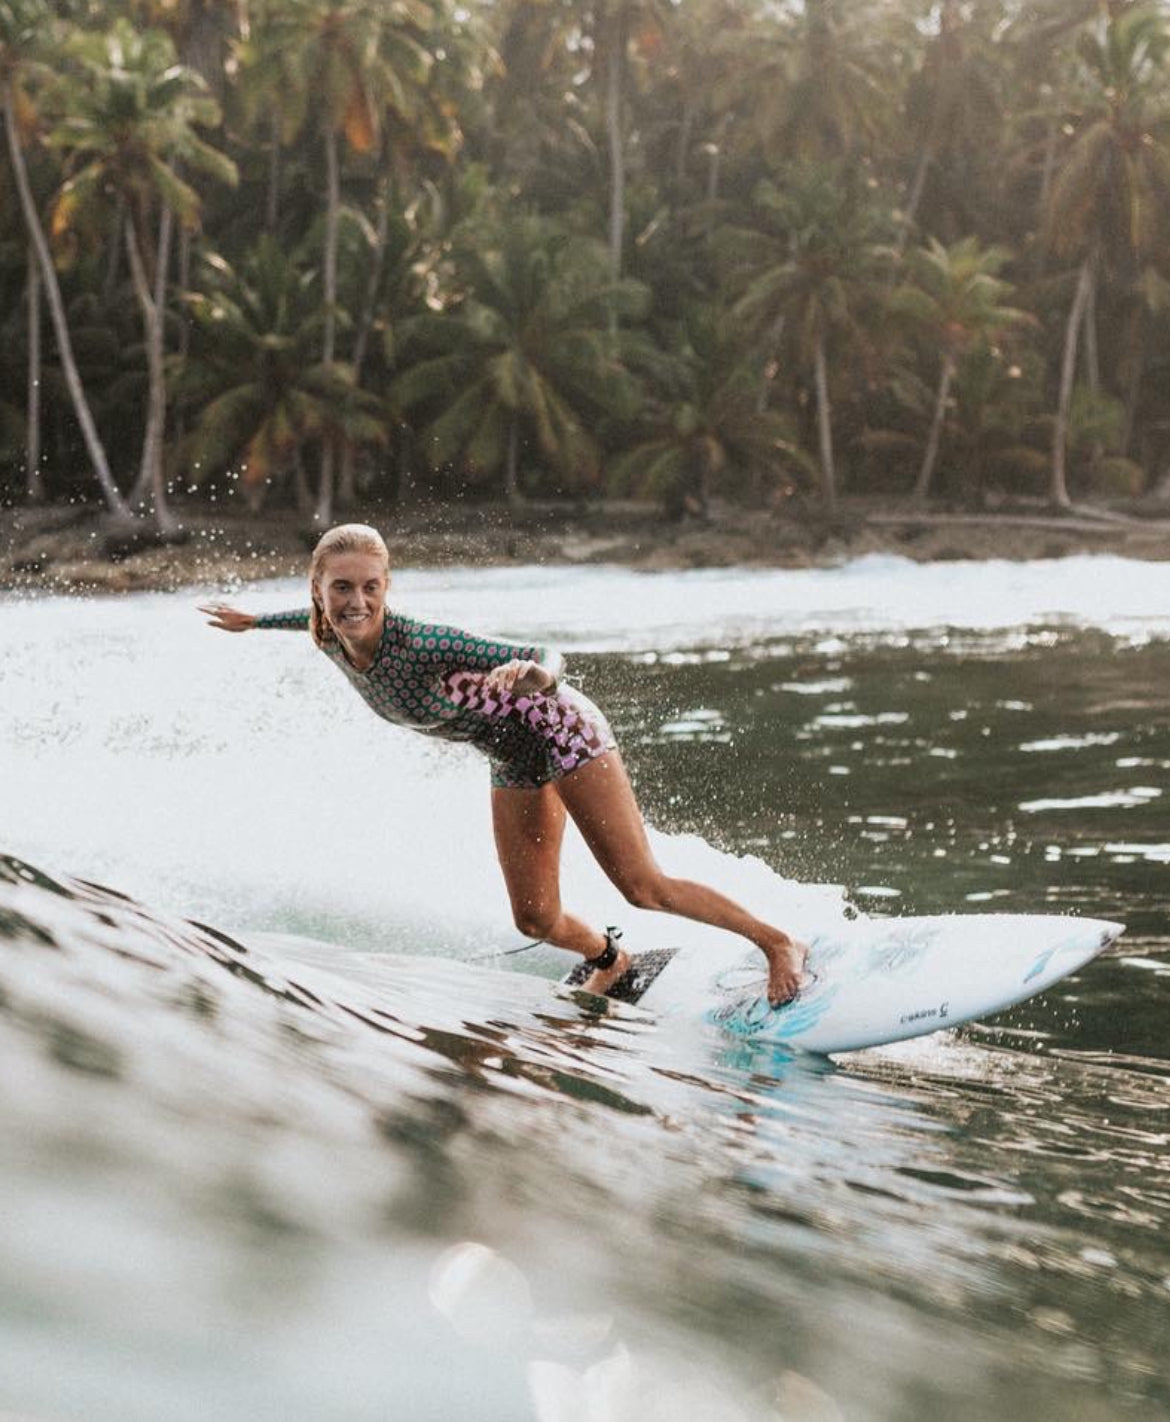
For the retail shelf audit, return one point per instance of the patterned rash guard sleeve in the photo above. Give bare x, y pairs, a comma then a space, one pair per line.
297, 621
452, 649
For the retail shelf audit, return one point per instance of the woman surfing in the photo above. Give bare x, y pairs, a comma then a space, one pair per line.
551, 750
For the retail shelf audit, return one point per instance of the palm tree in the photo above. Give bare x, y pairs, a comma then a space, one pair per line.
1110, 200
128, 126
997, 434
34, 477
262, 398
347, 62
700, 431
24, 25
805, 271
201, 30
547, 122
17, 436
529, 352
20, 294
815, 81
617, 27
954, 301
691, 112
954, 111
393, 265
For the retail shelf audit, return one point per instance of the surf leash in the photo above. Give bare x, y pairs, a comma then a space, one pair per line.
505, 952
605, 959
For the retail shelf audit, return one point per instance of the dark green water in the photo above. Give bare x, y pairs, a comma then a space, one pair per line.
941, 770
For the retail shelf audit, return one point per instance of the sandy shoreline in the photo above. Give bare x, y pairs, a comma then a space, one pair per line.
66, 550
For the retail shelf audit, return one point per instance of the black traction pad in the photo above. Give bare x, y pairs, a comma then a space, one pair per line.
643, 969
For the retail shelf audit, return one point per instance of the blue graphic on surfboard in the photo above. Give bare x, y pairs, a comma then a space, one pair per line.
872, 981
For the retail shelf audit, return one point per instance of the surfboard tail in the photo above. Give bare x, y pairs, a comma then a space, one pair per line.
643, 970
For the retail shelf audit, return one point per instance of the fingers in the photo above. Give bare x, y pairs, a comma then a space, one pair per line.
505, 678
225, 617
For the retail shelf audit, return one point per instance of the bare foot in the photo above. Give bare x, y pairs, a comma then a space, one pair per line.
785, 968
603, 979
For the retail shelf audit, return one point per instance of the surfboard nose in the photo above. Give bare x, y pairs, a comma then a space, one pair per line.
1107, 931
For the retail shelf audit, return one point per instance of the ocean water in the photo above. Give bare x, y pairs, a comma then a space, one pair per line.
332, 1154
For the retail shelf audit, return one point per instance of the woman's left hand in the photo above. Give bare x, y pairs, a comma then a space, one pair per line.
520, 677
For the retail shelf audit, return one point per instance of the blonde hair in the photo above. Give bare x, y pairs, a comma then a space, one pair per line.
345, 538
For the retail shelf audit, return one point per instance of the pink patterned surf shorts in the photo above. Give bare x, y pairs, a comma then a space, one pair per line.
532, 738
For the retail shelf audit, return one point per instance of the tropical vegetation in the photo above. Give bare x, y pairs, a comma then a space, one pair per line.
310, 252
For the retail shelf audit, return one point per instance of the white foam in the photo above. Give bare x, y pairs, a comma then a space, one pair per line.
240, 780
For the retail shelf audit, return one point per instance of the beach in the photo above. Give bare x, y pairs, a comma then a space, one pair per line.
79, 550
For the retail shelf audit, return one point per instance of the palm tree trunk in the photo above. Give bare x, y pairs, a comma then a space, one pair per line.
114, 260
347, 477
926, 473
1058, 489
825, 425
93, 444
184, 278
713, 176
1137, 371
1047, 174
346, 487
614, 113
272, 205
1092, 358
149, 472
917, 187
366, 320
35, 484
1048, 167
1093, 369
323, 513
771, 346
683, 148
402, 467
511, 468
304, 492
714, 167
151, 486
332, 212
324, 510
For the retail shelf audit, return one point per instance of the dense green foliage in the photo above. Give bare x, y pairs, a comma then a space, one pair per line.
321, 249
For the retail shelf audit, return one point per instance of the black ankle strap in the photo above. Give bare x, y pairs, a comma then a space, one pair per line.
608, 955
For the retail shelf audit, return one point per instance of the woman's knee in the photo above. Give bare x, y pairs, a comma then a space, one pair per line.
647, 891
535, 920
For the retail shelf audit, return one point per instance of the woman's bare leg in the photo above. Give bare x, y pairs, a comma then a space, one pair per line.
529, 826
601, 801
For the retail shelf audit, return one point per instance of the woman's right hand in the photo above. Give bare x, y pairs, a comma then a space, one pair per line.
226, 617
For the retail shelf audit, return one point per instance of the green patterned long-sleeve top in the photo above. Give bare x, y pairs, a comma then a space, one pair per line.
408, 681
432, 678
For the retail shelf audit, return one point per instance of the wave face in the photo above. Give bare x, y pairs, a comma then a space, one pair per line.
392, 1187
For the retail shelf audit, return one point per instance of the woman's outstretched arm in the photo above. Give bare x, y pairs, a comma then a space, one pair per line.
231, 619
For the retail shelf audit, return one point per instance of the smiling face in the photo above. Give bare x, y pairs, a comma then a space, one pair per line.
351, 589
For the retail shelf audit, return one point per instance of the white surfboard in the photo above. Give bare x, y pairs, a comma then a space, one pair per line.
872, 981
